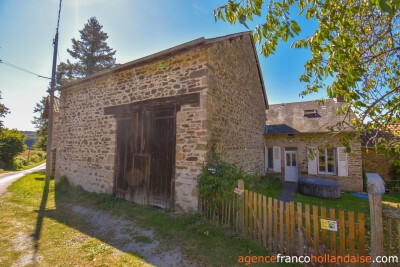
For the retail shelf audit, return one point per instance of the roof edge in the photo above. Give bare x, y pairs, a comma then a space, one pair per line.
259, 72
173, 50
139, 61
225, 37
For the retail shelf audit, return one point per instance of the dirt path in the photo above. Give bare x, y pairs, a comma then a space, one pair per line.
122, 236
129, 237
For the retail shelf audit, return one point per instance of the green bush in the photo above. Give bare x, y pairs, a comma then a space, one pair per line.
218, 181
35, 158
396, 175
11, 145
41, 155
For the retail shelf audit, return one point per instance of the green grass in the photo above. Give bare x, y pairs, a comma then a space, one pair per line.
27, 167
346, 202
35, 160
58, 236
391, 198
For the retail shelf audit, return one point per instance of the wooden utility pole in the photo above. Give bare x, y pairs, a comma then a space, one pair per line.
49, 156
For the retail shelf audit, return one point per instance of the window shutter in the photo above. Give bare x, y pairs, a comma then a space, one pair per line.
265, 159
312, 160
277, 158
342, 162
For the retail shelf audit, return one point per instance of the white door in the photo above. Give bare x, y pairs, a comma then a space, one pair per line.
291, 166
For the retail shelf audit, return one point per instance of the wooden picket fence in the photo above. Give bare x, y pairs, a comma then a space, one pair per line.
290, 228
391, 231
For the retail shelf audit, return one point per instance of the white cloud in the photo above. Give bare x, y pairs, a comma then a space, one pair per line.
200, 9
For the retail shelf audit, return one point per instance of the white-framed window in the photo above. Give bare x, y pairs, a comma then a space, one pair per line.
269, 159
327, 161
272, 159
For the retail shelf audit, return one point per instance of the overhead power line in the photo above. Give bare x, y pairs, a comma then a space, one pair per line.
22, 69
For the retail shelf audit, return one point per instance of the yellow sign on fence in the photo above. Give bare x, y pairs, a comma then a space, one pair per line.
328, 225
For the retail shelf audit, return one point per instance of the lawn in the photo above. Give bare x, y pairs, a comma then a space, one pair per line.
29, 166
66, 226
347, 202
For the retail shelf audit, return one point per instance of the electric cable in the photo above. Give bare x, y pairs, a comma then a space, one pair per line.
22, 69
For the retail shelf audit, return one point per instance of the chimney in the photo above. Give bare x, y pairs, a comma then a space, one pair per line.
339, 99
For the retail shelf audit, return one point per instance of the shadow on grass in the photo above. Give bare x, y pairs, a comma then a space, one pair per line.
39, 222
82, 211
124, 226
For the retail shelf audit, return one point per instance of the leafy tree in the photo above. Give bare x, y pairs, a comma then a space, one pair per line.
91, 52
11, 144
3, 111
355, 51
41, 123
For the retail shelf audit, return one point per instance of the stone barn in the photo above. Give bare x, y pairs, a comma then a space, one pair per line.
142, 130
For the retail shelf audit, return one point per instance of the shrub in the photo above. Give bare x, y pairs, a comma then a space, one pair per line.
35, 158
41, 155
218, 181
396, 175
20, 161
11, 144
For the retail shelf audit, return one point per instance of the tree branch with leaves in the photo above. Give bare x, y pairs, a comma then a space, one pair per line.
3, 112
355, 51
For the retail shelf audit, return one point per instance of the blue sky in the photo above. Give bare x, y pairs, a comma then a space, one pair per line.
136, 28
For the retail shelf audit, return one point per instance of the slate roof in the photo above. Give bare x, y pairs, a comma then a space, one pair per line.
393, 131
303, 117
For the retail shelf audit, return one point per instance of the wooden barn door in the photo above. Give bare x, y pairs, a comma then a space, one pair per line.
124, 160
146, 157
162, 147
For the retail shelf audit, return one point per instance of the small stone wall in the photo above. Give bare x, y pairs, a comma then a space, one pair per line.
376, 162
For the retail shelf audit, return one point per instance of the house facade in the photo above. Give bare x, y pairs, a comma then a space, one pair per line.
143, 130
299, 142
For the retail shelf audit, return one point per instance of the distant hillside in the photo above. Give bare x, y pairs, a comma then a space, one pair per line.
31, 138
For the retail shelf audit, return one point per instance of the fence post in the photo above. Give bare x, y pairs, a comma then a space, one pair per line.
241, 201
375, 206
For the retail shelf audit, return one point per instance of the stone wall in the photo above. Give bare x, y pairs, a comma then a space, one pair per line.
374, 161
236, 105
86, 138
231, 115
353, 182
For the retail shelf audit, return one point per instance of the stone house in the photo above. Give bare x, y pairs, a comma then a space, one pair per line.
298, 142
142, 130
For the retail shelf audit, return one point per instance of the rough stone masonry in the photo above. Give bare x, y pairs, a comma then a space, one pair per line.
231, 114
